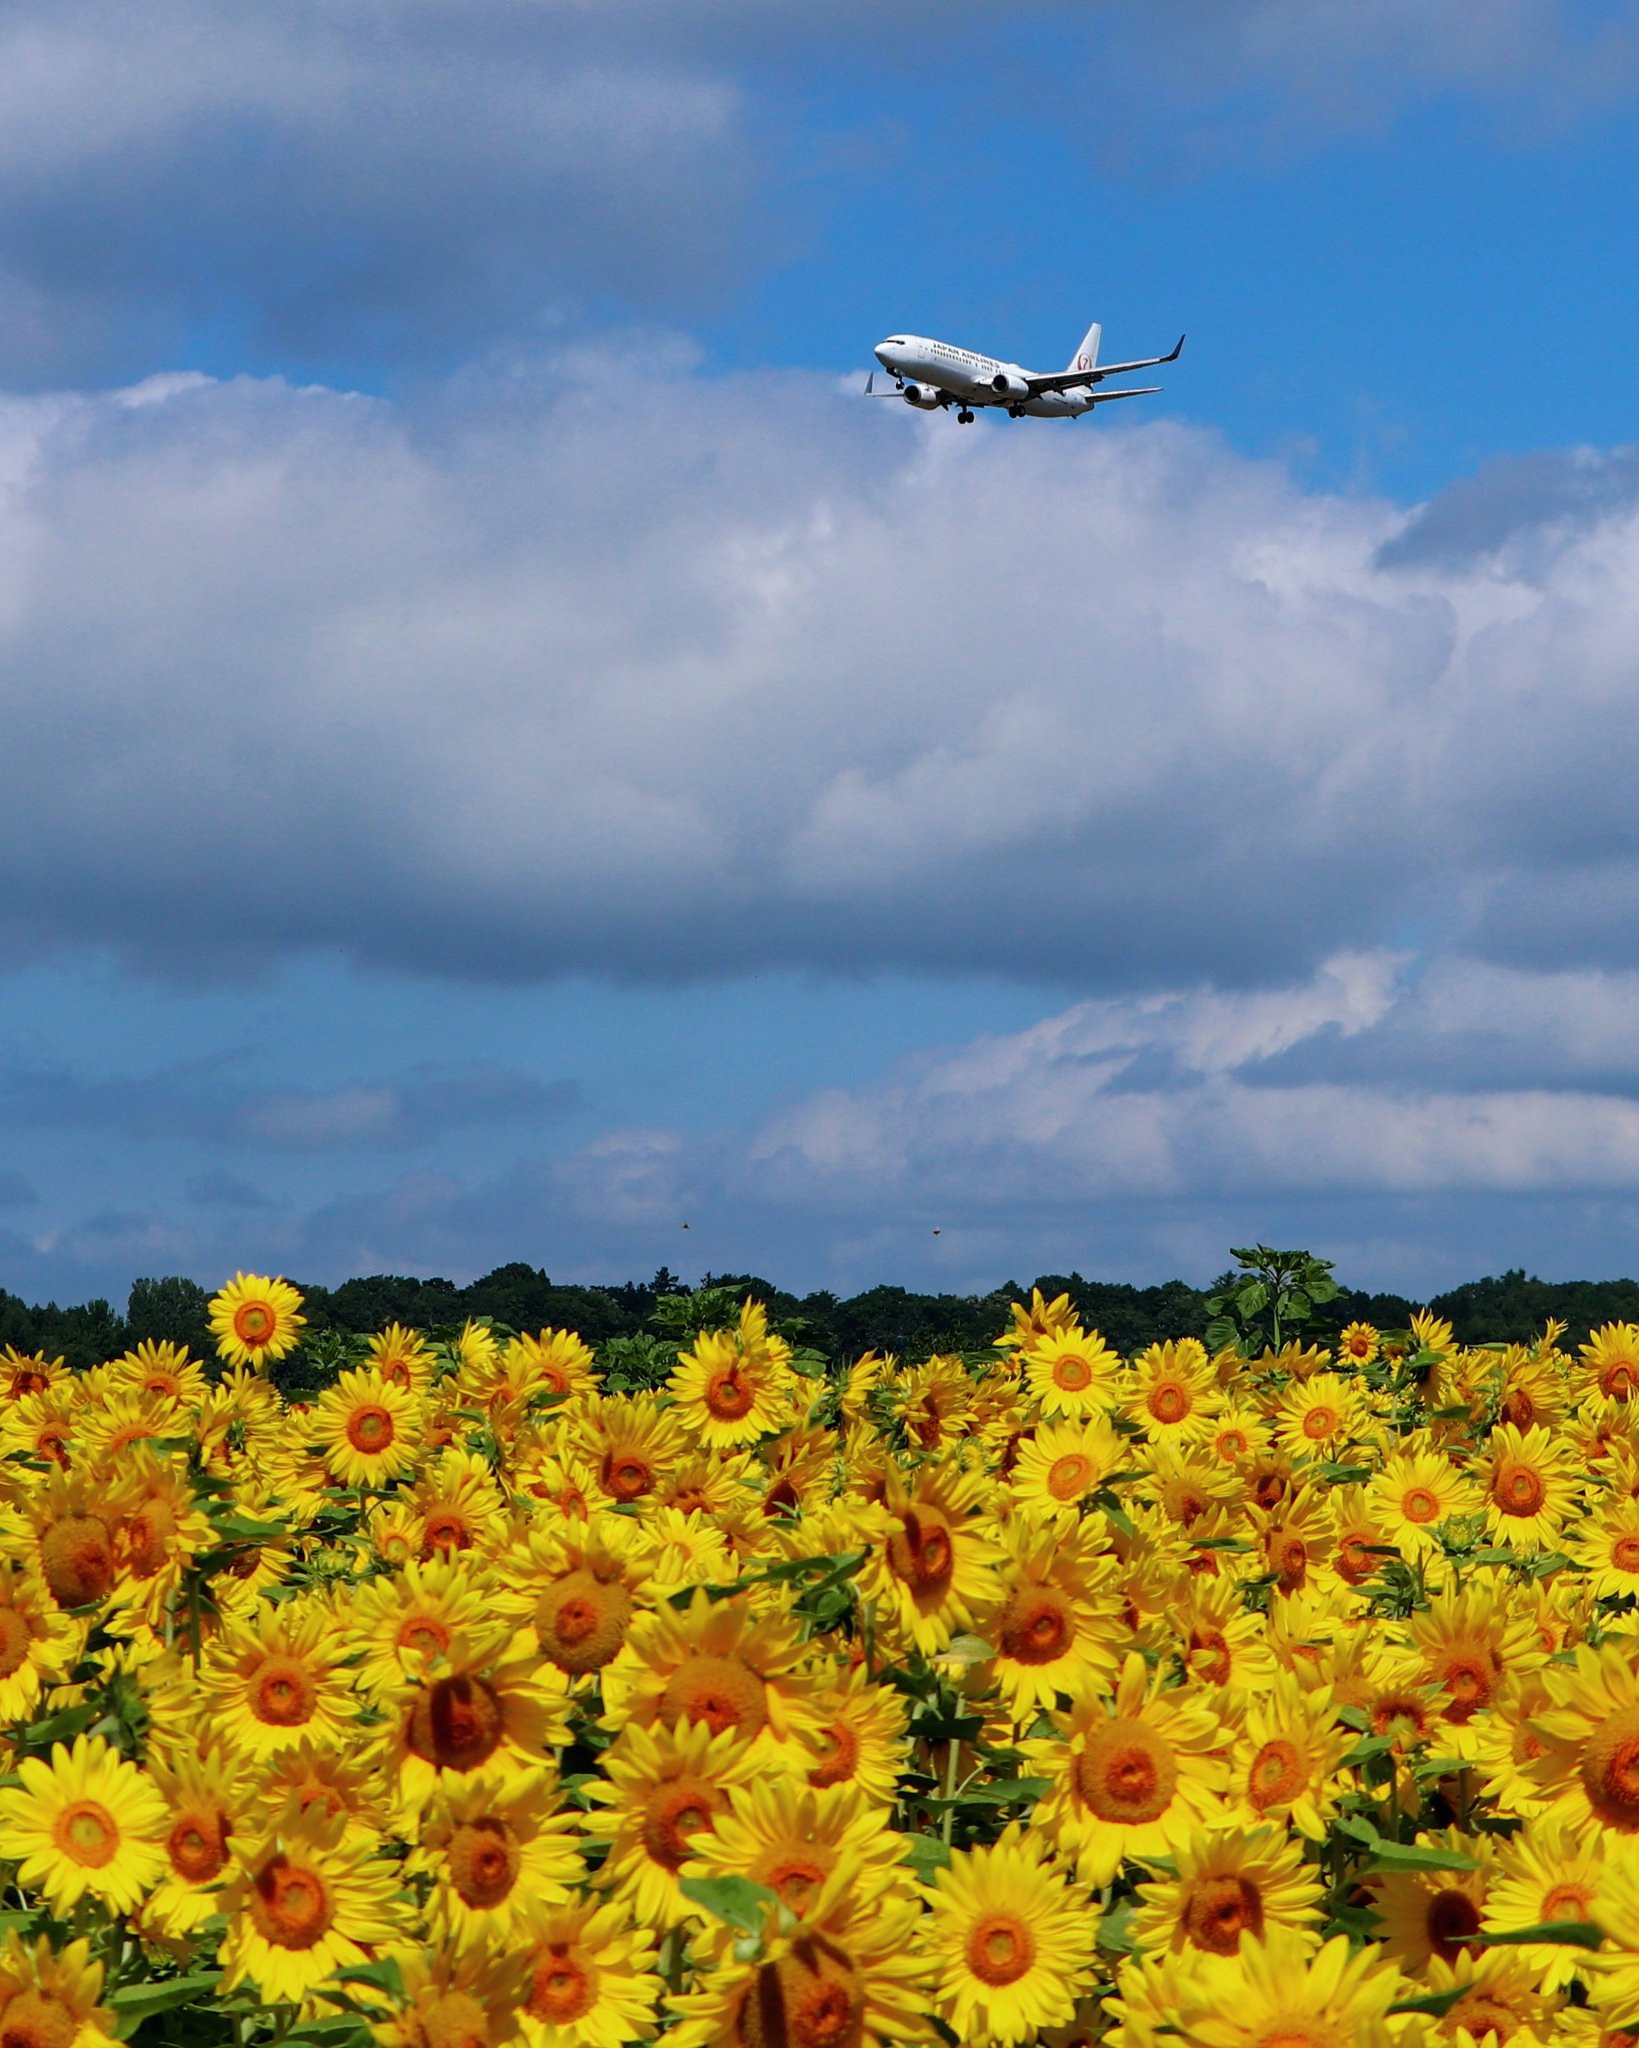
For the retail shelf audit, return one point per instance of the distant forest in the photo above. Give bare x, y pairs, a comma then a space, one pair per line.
1507, 1308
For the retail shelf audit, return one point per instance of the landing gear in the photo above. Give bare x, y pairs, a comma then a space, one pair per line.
964, 417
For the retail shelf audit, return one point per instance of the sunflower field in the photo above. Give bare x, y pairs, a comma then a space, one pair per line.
1276, 1696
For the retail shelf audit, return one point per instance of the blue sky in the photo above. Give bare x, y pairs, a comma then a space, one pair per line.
506, 756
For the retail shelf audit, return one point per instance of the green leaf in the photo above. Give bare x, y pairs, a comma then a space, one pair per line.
1363, 1752
384, 1975
1251, 1298
1297, 1307
136, 2002
1413, 1856
1552, 1933
1436, 2003
736, 1901
1219, 1334
927, 1853
1349, 1475
994, 1792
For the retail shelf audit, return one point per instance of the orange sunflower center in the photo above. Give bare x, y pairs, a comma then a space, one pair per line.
37, 2019
626, 1475
1321, 1422
795, 1874
254, 1323
86, 1833
1451, 1923
1069, 1477
1288, 1558
1036, 1626
1277, 1775
1568, 1902
370, 1428
15, 1641
1517, 1489
728, 1396
1619, 1379
1610, 1770
1126, 1773
838, 1746
1208, 1655
1072, 1372
1419, 1505
563, 1987
1169, 1401
581, 1621
198, 1843
456, 1723
1469, 1673
445, 1529
422, 1635
1000, 1948
1519, 1408
484, 1860
1625, 1553
723, 1692
1479, 2015
454, 2019
77, 1559
674, 1811
290, 1903
282, 1694
1219, 1910
1400, 1715
811, 1998
149, 1530
922, 1553
1355, 1563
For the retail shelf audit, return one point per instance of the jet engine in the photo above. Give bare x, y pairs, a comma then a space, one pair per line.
923, 395
1009, 385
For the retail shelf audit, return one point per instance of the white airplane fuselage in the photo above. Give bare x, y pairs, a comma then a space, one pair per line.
937, 367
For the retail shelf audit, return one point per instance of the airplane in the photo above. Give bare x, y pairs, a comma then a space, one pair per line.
929, 374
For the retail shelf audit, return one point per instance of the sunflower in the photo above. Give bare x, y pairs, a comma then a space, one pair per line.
1187, 1483
1589, 1766
40, 1426
934, 1565
366, 1428
629, 1441
459, 1504
1286, 1756
1297, 1540
1070, 1372
1357, 1344
1609, 1363
205, 1801
1057, 1626
1496, 1999
397, 1625
1531, 1392
1225, 1886
468, 1709
1010, 1942
1545, 1874
859, 1381
160, 1372
689, 1548
1238, 1433
591, 1978
1528, 1486
1283, 1993
271, 1679
1423, 1913
494, 1845
48, 1997
1318, 1416
304, 1904
734, 1386
86, 1822
723, 1663
1041, 1319
254, 1319
1607, 1547
1613, 1975
848, 1973
1064, 1462
459, 1996
1128, 1775
38, 1642
666, 1785
789, 1838
23, 1373
1222, 1643
105, 1428
402, 1357
71, 1539
1467, 1644
935, 1402
160, 1529
1415, 1492
857, 1737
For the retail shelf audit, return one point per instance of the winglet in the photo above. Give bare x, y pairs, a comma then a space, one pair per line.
869, 381
1177, 352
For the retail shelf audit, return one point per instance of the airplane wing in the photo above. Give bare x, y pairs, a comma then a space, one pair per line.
1071, 380
1131, 391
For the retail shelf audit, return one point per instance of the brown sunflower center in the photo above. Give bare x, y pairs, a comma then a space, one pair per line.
484, 1859
15, 1641
1169, 1401
1072, 1372
1419, 1505
282, 1693
370, 1428
1069, 1477
1231, 1444
1568, 1902
729, 1397
793, 1875
150, 1531
456, 1723
723, 1692
922, 1553
1400, 1715
86, 1833
1469, 1673
838, 1746
626, 1475
1000, 1949
563, 1987
1126, 1773
290, 1903
1288, 1558
674, 1811
810, 1998
254, 1323
77, 1559
1036, 1626
1219, 1910
1479, 2016
1625, 1553
1619, 1379
1321, 1422
1451, 1923
1610, 1770
198, 1843
581, 1621
1277, 1775
446, 1529
423, 1635
37, 2019
1518, 1408
454, 2019
1517, 1489
1208, 1655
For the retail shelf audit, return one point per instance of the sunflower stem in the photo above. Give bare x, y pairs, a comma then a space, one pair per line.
953, 1753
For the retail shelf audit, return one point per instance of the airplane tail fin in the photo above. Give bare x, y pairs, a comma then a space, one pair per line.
1086, 357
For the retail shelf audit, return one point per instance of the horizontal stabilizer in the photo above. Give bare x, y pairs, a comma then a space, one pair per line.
1133, 391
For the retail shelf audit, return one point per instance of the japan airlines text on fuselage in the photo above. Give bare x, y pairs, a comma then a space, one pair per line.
929, 374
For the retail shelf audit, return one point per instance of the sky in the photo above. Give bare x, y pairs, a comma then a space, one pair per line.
504, 754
